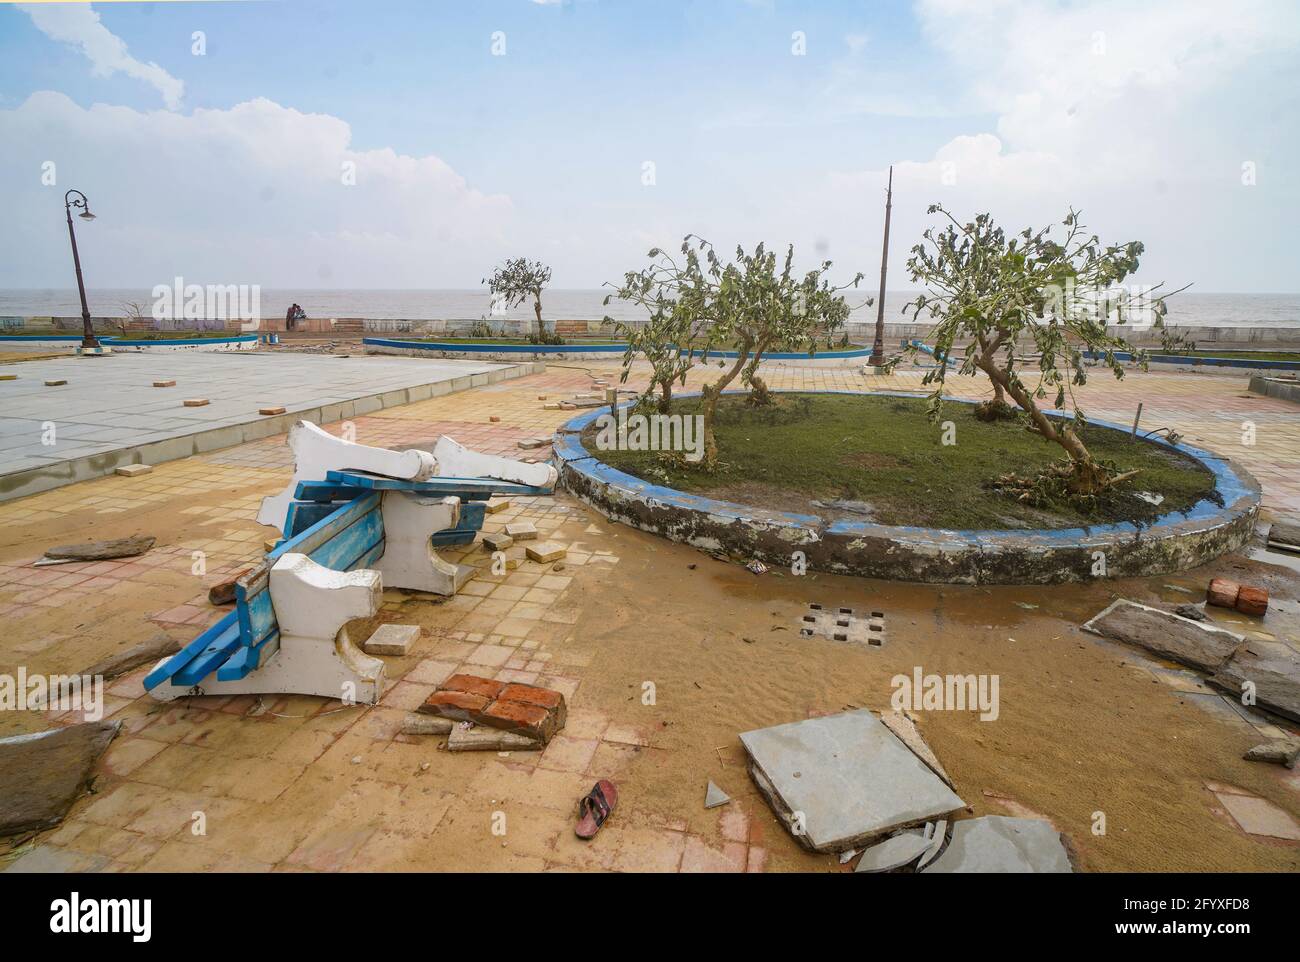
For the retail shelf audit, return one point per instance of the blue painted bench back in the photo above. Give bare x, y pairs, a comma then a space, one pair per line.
338, 523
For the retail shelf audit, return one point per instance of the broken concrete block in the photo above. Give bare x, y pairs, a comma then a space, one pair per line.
148, 652
714, 796
417, 724
454, 460
526, 710
195, 402
1274, 670
1284, 535
497, 542
904, 726
164, 383
494, 419
998, 843
102, 550
392, 640
551, 406
937, 833
893, 853
134, 470
496, 504
224, 592
522, 530
274, 409
546, 551
475, 738
41, 775
529, 443
1281, 751
1259, 816
839, 780
1192, 643
55, 382
270, 544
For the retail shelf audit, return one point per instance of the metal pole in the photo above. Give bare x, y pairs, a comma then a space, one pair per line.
1136, 418
878, 348
88, 339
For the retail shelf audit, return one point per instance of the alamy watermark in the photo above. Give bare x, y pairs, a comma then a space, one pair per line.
921, 692
197, 302
24, 692
652, 432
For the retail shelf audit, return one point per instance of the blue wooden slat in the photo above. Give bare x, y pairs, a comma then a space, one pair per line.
465, 488
208, 660
245, 659
256, 617
342, 551
191, 651
472, 515
303, 514
327, 528
451, 536
326, 491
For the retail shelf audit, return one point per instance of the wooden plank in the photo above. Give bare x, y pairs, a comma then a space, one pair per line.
325, 529
326, 491
303, 514
208, 660
452, 536
343, 550
467, 489
245, 660
191, 651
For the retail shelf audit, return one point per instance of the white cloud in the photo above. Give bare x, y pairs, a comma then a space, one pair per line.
252, 194
78, 24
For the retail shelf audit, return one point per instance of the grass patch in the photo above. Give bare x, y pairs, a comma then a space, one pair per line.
883, 451
1251, 355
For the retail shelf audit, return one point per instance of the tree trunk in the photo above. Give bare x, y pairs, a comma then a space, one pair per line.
709, 395
541, 329
759, 396
665, 395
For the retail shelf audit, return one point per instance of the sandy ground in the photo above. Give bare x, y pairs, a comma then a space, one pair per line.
1084, 726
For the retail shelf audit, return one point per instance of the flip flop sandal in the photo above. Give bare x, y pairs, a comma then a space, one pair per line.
595, 807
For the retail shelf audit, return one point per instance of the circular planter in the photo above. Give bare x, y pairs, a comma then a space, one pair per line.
1174, 542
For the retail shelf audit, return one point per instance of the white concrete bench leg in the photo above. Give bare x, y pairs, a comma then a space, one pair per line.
409, 560
315, 656
457, 461
316, 452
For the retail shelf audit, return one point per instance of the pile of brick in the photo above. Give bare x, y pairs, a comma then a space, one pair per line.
527, 710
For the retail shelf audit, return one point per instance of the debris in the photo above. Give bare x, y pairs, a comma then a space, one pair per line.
1181, 639
893, 853
536, 713
937, 833
546, 551
551, 406
903, 725
714, 796
1247, 599
494, 505
1284, 535
497, 542
1283, 751
757, 567
1026, 605
224, 593
522, 530
148, 652
595, 808
1272, 668
271, 410
164, 383
848, 775
1191, 611
102, 550
55, 382
42, 774
195, 402
417, 724
999, 843
270, 544
1150, 497
530, 443
476, 738
494, 419
133, 470
392, 640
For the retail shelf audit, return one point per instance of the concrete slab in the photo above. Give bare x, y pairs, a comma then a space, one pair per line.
998, 843
714, 796
844, 779
893, 853
109, 414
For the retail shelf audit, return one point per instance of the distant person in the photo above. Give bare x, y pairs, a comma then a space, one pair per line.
292, 316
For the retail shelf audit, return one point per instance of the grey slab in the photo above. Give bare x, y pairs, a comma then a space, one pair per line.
847, 778
1188, 642
893, 853
998, 843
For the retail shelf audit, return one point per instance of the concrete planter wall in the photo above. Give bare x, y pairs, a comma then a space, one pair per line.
70, 342
1174, 542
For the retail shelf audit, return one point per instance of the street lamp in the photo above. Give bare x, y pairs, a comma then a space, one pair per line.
89, 343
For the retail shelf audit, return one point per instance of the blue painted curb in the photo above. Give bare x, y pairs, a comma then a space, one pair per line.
1175, 541
1191, 361
448, 346
134, 342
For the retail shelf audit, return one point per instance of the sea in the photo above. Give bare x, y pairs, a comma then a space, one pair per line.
1186, 309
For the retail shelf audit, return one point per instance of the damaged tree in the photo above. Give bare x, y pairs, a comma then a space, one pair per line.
703, 304
992, 290
515, 282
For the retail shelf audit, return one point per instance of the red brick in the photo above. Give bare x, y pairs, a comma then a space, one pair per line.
548, 698
515, 716
474, 685
454, 704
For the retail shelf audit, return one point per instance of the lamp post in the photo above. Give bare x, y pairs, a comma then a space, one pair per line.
89, 343
878, 348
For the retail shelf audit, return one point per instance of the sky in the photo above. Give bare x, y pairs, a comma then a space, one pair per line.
417, 143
